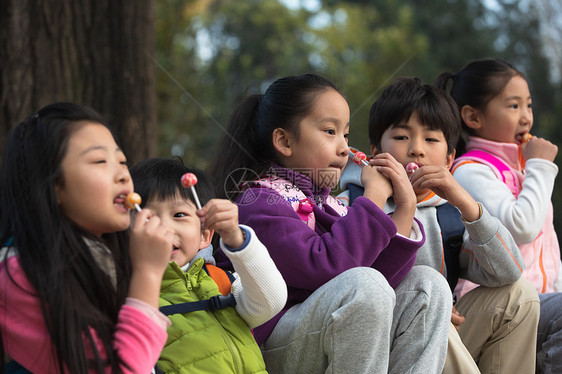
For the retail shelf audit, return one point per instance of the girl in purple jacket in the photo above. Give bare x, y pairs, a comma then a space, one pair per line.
355, 302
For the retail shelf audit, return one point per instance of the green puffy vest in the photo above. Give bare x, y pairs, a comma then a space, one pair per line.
204, 341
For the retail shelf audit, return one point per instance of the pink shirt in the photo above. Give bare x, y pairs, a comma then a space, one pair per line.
139, 337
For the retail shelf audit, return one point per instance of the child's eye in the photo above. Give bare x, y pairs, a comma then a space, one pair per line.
330, 131
99, 162
432, 140
346, 136
514, 106
180, 215
400, 137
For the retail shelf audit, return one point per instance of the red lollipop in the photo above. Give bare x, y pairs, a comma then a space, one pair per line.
189, 180
411, 168
358, 157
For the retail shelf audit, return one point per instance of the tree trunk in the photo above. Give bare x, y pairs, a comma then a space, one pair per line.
92, 52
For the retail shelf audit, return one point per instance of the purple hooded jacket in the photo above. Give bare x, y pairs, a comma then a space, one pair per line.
308, 258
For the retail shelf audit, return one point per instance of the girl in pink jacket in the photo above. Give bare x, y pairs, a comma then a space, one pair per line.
512, 174
74, 296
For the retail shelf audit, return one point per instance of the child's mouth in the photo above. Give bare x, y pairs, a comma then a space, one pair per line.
120, 200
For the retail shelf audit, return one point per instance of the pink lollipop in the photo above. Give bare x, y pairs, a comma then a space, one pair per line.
133, 200
411, 168
358, 157
189, 180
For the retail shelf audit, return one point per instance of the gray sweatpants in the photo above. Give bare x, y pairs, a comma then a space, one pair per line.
356, 323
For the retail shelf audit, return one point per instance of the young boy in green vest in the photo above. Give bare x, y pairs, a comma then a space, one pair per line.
212, 311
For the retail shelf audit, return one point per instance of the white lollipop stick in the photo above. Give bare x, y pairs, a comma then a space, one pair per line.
358, 157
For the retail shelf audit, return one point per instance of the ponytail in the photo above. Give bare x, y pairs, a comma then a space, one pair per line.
442, 81
241, 148
246, 149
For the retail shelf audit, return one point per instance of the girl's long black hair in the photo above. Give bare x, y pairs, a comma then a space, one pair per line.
76, 295
246, 148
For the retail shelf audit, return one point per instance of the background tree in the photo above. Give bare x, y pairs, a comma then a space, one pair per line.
92, 52
211, 53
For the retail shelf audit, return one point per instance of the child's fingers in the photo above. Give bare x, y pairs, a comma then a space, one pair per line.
457, 319
220, 214
221, 220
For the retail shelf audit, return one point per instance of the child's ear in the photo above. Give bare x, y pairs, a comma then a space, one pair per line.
451, 158
471, 116
374, 150
282, 142
206, 237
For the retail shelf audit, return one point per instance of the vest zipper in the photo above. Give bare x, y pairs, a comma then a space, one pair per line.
231, 346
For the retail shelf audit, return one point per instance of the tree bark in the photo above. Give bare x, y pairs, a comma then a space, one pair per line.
92, 52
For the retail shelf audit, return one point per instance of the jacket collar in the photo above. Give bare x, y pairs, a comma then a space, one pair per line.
301, 180
510, 153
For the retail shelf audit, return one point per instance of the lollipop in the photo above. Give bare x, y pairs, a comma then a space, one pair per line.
411, 168
189, 180
526, 137
358, 157
133, 200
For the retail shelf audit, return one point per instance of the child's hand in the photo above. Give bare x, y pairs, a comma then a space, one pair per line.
539, 148
150, 248
221, 215
150, 244
440, 180
456, 319
402, 191
377, 186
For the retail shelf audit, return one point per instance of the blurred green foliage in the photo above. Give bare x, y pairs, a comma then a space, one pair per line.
212, 53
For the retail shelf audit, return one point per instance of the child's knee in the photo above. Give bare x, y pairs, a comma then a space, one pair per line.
368, 286
430, 281
524, 291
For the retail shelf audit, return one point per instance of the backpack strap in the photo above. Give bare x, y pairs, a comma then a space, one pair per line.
14, 367
500, 168
452, 230
223, 279
213, 303
354, 192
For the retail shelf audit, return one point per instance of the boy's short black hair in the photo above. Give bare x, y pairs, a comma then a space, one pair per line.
436, 109
159, 178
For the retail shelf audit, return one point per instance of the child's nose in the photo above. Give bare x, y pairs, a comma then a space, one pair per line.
123, 175
343, 148
416, 148
527, 117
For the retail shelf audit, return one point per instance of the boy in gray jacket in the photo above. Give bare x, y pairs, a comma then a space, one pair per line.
419, 125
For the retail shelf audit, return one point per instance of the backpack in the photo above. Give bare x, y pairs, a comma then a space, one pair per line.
500, 169
452, 231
